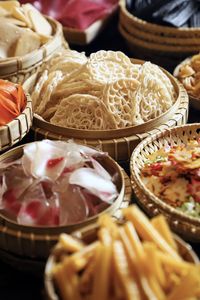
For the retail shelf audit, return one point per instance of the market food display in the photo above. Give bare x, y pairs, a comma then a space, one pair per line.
104, 91
136, 260
56, 183
189, 75
12, 101
172, 174
22, 29
175, 13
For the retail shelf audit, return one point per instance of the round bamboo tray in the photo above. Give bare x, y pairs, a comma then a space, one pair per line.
88, 235
22, 242
118, 143
195, 102
15, 130
186, 226
18, 69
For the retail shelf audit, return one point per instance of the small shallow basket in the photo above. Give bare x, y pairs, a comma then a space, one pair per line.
162, 41
29, 242
119, 143
186, 226
88, 235
18, 69
195, 102
15, 130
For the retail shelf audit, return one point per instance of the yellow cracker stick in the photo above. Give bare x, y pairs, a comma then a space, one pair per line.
155, 266
161, 225
147, 231
174, 264
69, 243
9, 5
107, 222
188, 287
104, 236
135, 241
102, 273
128, 283
67, 280
149, 288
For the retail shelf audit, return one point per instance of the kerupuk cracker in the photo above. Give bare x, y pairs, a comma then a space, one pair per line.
104, 91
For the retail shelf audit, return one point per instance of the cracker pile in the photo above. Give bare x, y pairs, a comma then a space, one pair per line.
104, 91
22, 29
189, 75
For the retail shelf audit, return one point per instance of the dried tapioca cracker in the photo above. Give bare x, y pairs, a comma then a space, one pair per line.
82, 112
36, 92
48, 87
119, 98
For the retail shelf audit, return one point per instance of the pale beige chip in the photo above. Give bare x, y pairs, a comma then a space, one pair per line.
16, 22
39, 23
18, 13
28, 42
83, 112
9, 5
4, 12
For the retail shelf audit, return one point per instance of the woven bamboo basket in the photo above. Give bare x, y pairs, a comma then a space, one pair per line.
118, 143
15, 130
89, 235
18, 69
159, 30
164, 45
34, 243
195, 102
186, 226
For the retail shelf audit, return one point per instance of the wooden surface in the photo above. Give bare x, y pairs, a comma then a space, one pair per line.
16, 284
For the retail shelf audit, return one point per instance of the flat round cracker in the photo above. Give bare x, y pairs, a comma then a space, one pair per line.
83, 112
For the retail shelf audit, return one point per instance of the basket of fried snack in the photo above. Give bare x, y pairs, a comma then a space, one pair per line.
105, 100
165, 178
27, 40
163, 44
138, 259
15, 114
188, 73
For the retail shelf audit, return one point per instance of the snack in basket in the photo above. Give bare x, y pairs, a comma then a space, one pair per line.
104, 91
22, 29
136, 260
189, 75
173, 175
56, 183
12, 101
175, 13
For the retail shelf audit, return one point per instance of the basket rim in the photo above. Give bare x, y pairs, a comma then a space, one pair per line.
135, 176
113, 133
17, 151
18, 63
161, 47
152, 26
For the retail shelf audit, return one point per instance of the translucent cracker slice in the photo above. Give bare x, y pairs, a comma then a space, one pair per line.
108, 66
48, 87
19, 14
36, 93
83, 112
28, 42
119, 98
